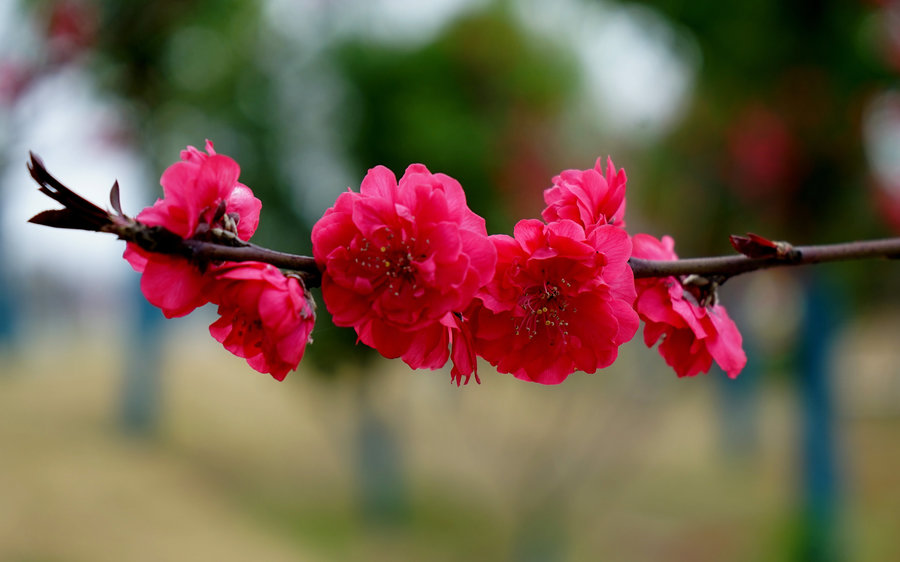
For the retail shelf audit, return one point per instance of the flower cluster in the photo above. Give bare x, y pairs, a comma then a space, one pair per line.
414, 272
266, 317
694, 334
561, 297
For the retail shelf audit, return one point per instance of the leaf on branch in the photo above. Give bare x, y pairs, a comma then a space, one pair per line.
79, 213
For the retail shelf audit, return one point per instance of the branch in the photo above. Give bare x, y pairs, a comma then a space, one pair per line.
80, 213
304, 266
729, 266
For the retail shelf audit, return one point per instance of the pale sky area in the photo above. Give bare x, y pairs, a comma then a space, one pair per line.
67, 124
64, 120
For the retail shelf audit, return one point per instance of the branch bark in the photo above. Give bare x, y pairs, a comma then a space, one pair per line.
729, 266
304, 266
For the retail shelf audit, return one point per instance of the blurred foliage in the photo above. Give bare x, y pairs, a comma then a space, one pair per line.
190, 70
478, 102
772, 142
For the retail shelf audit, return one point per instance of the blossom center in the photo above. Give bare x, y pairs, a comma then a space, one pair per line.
248, 331
390, 263
545, 310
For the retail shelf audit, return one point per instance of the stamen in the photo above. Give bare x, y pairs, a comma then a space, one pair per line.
544, 306
392, 262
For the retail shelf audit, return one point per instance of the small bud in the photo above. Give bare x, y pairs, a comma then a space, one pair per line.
755, 246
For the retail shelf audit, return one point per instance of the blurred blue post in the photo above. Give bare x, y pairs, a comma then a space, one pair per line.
142, 377
541, 534
738, 399
8, 311
739, 404
819, 539
9, 319
381, 480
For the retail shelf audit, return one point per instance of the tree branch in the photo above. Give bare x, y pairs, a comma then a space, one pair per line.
729, 266
304, 266
80, 213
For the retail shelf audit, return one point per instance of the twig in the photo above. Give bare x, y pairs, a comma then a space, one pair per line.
304, 266
79, 213
729, 266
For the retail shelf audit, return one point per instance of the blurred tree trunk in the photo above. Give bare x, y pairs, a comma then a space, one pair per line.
142, 375
820, 532
382, 485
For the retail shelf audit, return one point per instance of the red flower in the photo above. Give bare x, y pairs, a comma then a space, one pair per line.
194, 191
588, 197
265, 316
559, 301
399, 260
694, 335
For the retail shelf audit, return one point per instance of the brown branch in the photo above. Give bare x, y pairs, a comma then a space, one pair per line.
81, 214
729, 266
304, 266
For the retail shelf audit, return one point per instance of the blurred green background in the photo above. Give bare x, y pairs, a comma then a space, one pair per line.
127, 437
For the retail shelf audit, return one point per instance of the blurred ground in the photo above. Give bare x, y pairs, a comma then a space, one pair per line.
625, 465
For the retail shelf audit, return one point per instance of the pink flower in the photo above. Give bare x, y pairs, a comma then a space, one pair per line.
399, 260
588, 197
265, 316
694, 335
196, 192
559, 301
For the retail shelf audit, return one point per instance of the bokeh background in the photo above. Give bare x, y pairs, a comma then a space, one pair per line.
124, 436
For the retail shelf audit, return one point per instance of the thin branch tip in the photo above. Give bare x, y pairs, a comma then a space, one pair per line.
77, 213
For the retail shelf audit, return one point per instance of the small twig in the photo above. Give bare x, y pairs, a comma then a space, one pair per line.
729, 266
304, 266
79, 213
